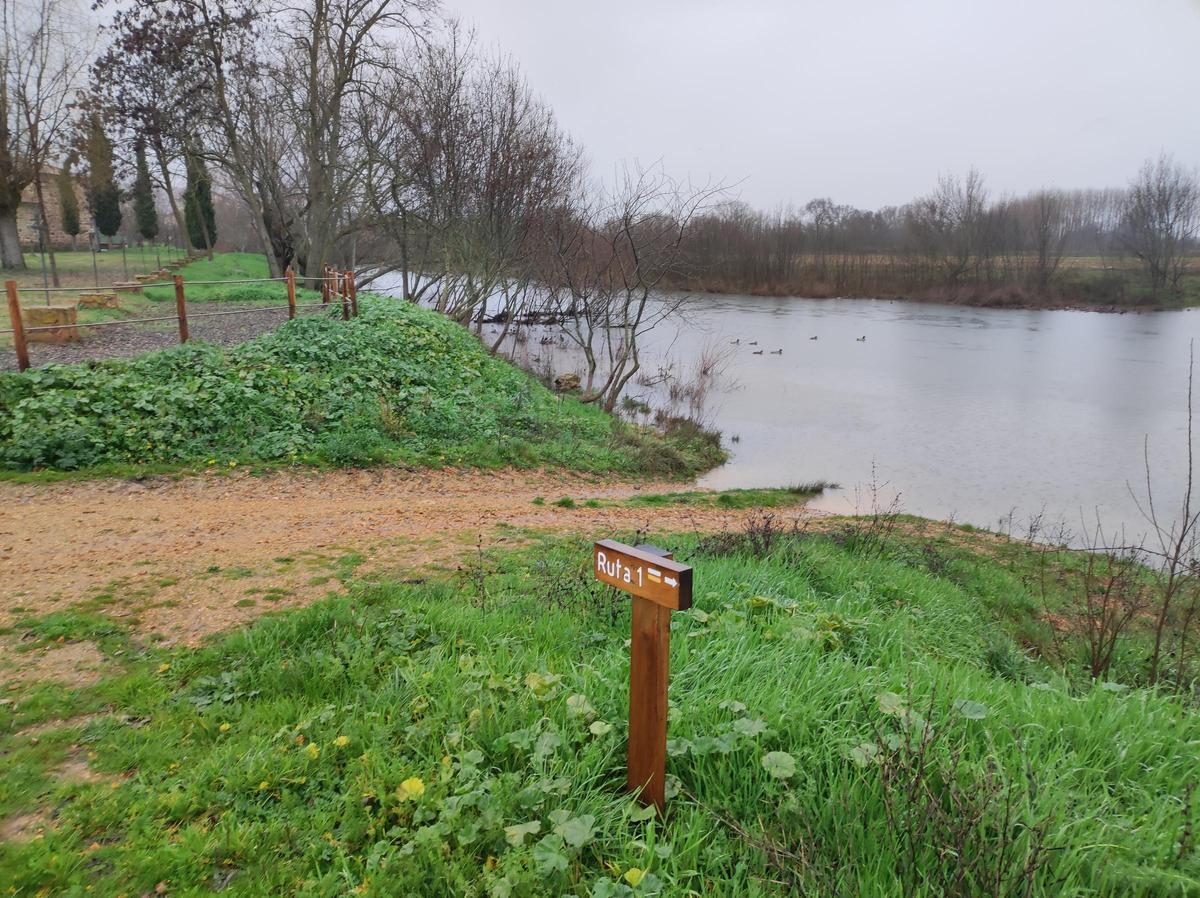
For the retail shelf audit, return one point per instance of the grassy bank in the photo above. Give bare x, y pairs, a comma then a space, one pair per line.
232, 267
1080, 283
848, 718
399, 384
78, 268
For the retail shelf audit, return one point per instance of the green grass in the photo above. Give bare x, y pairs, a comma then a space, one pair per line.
399, 384
740, 498
231, 267
75, 267
436, 739
1105, 288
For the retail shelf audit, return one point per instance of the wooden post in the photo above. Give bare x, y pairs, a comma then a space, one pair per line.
341, 286
353, 294
325, 286
659, 586
291, 292
649, 652
181, 309
18, 327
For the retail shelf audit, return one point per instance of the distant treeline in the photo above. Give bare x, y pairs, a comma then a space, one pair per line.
1114, 247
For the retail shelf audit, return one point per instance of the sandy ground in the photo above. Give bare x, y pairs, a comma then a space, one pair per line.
180, 559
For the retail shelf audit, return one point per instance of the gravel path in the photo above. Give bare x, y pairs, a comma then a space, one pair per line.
120, 341
187, 553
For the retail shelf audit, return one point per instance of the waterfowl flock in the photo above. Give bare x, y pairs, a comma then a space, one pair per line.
738, 342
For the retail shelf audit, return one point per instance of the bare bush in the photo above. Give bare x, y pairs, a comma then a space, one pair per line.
963, 828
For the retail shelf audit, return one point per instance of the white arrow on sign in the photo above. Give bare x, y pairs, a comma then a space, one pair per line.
670, 581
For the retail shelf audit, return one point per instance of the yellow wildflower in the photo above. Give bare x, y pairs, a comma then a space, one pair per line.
634, 875
411, 788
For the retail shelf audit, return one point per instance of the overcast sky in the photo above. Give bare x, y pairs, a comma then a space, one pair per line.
865, 101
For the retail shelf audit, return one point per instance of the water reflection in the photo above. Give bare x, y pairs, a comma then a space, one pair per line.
968, 413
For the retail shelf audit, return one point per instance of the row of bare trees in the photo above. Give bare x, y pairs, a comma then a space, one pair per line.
957, 237
44, 51
363, 129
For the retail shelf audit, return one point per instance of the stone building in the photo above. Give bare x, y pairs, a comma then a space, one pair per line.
28, 217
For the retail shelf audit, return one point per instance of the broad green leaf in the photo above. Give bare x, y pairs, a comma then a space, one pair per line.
891, 704
638, 813
750, 726
515, 834
548, 855
577, 831
579, 706
865, 754
779, 764
970, 710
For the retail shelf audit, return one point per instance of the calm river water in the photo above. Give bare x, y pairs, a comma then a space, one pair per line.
970, 414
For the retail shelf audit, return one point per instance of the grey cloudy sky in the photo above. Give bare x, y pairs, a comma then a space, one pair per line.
865, 101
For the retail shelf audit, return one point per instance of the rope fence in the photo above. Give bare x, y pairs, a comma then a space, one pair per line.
336, 286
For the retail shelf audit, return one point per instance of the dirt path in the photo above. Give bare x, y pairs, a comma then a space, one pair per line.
184, 558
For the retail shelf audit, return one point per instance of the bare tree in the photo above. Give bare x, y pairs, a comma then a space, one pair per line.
1048, 232
466, 167
40, 66
1174, 551
333, 49
1160, 220
608, 258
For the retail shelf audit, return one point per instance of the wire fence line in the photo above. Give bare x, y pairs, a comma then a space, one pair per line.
61, 338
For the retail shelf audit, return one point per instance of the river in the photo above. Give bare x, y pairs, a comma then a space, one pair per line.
983, 416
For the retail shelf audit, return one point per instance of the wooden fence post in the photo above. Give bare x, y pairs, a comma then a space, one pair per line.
353, 294
18, 327
291, 292
341, 286
181, 309
325, 286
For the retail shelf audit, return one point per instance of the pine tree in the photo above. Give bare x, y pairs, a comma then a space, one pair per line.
68, 204
198, 210
143, 197
103, 195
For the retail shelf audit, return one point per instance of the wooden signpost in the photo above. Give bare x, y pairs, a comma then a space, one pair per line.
659, 586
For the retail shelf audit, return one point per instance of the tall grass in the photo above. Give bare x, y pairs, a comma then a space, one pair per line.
840, 724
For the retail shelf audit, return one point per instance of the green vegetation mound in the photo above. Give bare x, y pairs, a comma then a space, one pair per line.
843, 722
398, 383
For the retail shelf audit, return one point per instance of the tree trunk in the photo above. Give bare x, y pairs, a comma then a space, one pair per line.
41, 198
164, 170
10, 243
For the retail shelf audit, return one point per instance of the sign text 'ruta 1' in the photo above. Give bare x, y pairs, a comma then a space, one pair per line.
659, 586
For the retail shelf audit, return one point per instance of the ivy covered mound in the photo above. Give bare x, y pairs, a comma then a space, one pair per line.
397, 384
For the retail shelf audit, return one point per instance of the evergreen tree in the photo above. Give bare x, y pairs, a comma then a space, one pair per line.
143, 197
198, 210
104, 198
68, 204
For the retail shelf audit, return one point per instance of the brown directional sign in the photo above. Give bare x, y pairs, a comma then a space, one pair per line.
650, 576
659, 586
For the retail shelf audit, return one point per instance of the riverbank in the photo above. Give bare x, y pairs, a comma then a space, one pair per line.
1114, 291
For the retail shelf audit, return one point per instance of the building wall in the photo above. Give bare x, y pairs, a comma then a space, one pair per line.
27, 214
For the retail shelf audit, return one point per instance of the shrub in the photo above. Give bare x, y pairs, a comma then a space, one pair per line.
396, 382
